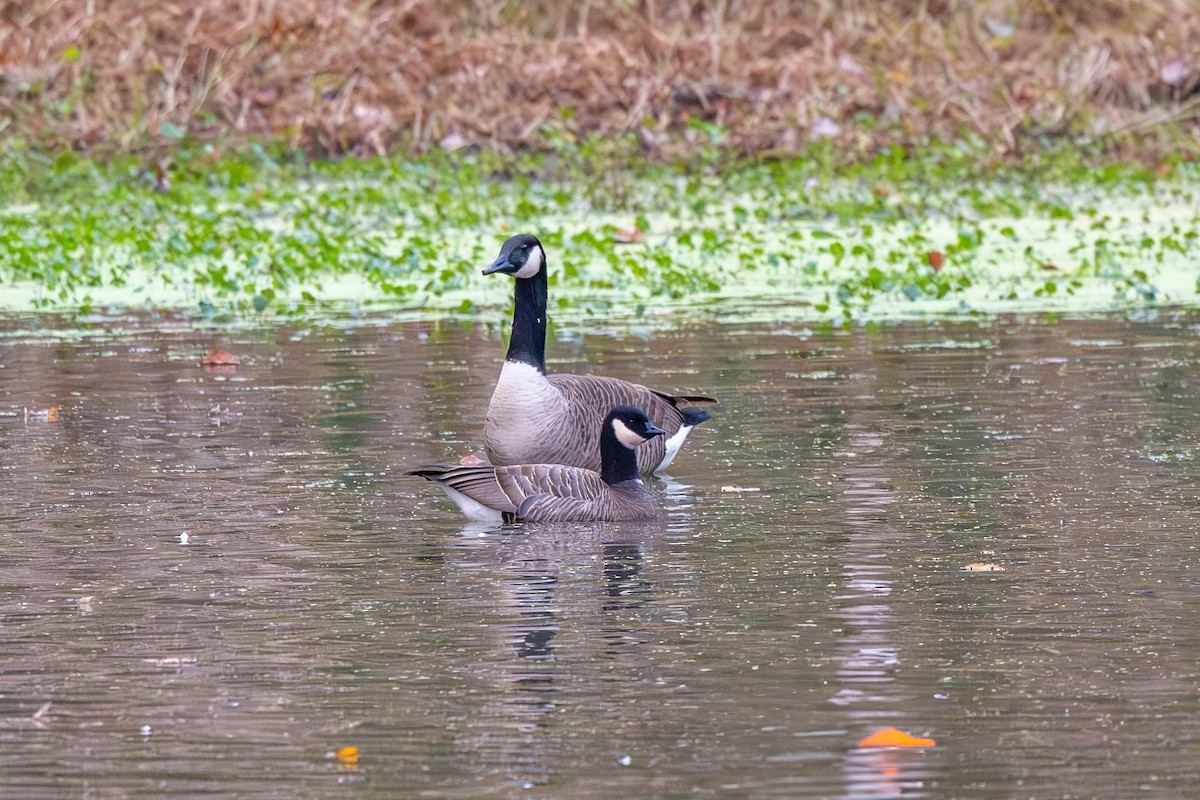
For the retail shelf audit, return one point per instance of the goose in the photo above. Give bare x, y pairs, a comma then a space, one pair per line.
554, 492
536, 418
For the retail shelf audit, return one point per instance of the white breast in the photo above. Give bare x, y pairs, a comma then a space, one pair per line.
524, 410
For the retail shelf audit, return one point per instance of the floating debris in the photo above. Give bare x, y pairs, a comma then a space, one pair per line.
894, 737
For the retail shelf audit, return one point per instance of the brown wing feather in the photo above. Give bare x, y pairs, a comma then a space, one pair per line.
553, 508
525, 480
544, 492
478, 482
591, 397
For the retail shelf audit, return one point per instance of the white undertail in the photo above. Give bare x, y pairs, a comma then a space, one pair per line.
472, 509
673, 444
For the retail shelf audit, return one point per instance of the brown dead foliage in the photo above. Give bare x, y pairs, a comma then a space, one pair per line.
366, 77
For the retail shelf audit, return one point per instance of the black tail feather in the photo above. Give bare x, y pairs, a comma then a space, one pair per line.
431, 472
675, 399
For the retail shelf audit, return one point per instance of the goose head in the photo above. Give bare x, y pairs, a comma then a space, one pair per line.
623, 430
631, 426
521, 256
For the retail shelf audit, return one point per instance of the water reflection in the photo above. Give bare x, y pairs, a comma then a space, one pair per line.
212, 580
580, 581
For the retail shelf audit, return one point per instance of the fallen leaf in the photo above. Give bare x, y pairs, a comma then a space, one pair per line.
628, 236
894, 737
471, 460
219, 358
740, 489
935, 259
162, 181
42, 414
981, 566
1046, 265
347, 756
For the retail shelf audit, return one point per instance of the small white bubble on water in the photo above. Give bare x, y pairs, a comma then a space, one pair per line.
625, 760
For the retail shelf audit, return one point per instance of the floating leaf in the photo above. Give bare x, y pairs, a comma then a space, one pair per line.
894, 737
935, 259
347, 756
42, 414
219, 358
982, 566
471, 460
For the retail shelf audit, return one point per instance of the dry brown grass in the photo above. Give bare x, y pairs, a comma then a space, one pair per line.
340, 76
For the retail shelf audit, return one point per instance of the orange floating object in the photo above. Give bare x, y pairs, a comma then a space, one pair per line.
219, 358
347, 756
894, 737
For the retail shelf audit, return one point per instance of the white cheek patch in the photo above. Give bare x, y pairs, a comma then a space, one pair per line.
533, 264
625, 436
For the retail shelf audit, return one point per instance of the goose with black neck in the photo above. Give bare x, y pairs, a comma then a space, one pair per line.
555, 492
538, 418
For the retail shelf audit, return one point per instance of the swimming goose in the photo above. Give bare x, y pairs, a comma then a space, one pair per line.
554, 492
535, 418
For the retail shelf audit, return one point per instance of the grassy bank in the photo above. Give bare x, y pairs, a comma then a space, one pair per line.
262, 232
331, 77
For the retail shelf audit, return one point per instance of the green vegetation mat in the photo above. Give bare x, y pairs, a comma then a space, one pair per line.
804, 239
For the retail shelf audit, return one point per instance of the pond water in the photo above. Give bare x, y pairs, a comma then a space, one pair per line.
212, 580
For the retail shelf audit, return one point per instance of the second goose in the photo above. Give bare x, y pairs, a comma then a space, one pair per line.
557, 493
535, 418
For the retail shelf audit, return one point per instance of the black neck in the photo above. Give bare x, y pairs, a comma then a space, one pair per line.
617, 462
528, 342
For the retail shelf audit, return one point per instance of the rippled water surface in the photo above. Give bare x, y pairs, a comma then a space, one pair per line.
212, 580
